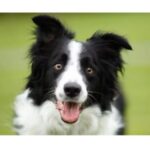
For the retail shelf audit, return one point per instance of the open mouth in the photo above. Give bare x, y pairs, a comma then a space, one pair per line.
69, 111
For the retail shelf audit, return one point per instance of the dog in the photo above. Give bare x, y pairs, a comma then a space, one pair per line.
73, 87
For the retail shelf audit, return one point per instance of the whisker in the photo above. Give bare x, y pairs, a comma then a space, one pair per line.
49, 94
95, 92
92, 97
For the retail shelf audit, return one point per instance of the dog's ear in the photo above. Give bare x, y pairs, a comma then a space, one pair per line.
116, 42
112, 41
49, 28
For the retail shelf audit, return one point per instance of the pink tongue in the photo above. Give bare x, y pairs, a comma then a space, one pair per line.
69, 111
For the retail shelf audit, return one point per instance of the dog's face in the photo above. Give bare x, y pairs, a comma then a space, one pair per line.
74, 74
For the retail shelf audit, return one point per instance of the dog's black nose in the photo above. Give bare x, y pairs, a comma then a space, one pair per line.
72, 89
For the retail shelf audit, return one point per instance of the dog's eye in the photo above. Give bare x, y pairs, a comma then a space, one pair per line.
89, 71
58, 67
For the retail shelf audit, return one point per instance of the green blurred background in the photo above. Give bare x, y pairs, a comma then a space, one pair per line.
16, 38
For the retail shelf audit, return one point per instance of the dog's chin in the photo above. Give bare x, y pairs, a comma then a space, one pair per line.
69, 111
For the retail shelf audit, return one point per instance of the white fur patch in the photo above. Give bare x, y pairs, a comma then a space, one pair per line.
45, 119
72, 73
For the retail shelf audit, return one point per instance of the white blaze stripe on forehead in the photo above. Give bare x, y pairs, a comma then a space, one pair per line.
75, 49
72, 71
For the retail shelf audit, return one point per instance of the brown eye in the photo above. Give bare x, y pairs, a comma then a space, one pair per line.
89, 71
58, 67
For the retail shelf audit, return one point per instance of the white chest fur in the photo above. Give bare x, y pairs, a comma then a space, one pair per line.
45, 119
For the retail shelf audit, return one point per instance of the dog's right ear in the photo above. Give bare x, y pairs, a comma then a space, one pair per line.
49, 28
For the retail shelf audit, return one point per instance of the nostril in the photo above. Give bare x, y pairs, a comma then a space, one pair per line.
76, 90
72, 89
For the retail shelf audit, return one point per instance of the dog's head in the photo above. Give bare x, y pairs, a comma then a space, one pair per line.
74, 74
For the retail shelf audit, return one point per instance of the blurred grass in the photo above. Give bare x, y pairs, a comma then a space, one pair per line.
16, 38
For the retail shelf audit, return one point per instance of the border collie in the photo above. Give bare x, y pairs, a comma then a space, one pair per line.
72, 88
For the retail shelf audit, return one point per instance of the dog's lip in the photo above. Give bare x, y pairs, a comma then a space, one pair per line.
81, 104
69, 110
71, 101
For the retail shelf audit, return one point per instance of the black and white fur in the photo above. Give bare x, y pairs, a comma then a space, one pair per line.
99, 96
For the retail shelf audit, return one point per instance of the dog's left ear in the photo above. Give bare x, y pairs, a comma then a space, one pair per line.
116, 42
49, 28
111, 40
